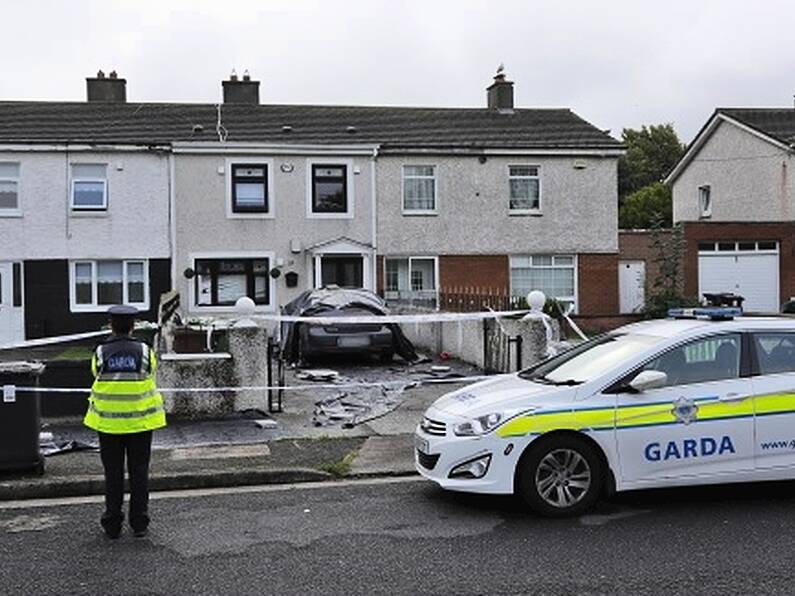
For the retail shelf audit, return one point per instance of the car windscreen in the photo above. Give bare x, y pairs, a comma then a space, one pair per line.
590, 359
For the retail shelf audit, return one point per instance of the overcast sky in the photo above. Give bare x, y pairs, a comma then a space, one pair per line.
616, 63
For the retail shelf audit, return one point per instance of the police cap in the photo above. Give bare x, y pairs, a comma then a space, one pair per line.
122, 310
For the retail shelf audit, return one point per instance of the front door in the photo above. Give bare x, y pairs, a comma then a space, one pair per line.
12, 321
701, 423
631, 286
345, 271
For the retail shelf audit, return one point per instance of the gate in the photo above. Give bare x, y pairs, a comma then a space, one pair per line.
275, 381
497, 348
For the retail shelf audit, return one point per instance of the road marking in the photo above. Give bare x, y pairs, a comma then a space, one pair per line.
209, 492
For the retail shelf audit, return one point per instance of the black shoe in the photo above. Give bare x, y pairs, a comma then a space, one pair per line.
112, 533
140, 533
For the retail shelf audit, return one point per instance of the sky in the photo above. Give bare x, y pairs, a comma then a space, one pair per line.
618, 64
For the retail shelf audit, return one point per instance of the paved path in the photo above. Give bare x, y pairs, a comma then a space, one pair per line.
407, 537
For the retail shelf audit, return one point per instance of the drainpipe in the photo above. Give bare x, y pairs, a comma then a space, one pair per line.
172, 221
374, 215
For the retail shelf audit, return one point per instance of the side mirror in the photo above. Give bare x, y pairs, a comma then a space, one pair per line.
649, 379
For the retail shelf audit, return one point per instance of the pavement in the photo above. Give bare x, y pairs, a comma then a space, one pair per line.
322, 434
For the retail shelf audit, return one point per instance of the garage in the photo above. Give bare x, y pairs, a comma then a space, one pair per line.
746, 268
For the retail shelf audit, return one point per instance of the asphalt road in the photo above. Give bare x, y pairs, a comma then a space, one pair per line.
408, 537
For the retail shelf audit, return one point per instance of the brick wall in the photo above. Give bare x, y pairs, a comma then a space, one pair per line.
783, 233
597, 276
474, 271
636, 245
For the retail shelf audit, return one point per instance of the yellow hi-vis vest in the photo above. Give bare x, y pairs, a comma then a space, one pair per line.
124, 398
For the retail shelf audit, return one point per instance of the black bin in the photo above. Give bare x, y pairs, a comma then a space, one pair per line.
20, 418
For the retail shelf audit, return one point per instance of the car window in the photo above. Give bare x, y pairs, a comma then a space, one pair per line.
709, 359
775, 352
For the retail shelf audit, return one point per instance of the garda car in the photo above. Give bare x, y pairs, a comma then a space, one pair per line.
672, 402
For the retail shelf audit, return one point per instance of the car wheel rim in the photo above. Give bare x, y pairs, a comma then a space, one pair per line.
563, 478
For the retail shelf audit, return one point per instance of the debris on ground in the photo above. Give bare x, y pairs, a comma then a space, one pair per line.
319, 374
56, 448
266, 423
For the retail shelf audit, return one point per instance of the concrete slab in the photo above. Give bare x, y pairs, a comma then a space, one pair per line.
221, 451
385, 455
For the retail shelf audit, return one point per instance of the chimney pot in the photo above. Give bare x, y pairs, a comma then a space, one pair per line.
233, 75
499, 94
108, 89
246, 76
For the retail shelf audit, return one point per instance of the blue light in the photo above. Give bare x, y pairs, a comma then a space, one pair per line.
716, 313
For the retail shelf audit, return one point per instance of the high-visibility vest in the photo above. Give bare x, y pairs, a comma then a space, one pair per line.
124, 397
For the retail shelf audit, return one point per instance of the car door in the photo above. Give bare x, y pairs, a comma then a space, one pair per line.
699, 423
774, 398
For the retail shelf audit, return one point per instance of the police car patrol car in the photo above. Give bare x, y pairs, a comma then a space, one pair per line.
672, 402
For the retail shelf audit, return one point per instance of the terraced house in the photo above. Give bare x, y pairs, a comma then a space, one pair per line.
243, 198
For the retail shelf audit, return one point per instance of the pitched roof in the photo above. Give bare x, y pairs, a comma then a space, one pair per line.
778, 123
391, 127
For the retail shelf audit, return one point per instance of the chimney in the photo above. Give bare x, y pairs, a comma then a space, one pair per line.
500, 92
237, 91
110, 88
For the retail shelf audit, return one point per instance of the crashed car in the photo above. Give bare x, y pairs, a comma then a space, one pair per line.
306, 341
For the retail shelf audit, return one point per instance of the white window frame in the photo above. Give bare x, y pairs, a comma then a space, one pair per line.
575, 266
435, 178
95, 306
14, 211
702, 190
435, 260
75, 179
536, 210
268, 164
349, 187
193, 257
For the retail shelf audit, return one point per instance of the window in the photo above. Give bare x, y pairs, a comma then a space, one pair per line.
95, 285
705, 201
775, 352
411, 281
220, 282
9, 188
711, 359
329, 188
552, 274
524, 187
419, 189
89, 187
249, 188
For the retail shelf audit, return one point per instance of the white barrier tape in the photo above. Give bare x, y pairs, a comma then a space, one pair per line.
58, 339
427, 318
408, 382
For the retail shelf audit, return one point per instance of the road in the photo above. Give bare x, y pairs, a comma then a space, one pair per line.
406, 536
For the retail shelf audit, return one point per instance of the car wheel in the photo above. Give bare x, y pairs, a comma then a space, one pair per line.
560, 476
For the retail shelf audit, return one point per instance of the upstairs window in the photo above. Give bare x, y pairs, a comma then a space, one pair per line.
419, 189
89, 187
329, 188
220, 282
705, 200
9, 187
249, 188
524, 188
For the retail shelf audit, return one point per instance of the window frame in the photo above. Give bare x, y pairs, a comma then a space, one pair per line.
313, 163
435, 178
574, 266
13, 211
231, 256
534, 210
74, 180
94, 306
270, 201
409, 260
704, 190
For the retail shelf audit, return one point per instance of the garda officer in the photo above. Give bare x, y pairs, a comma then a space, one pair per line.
124, 408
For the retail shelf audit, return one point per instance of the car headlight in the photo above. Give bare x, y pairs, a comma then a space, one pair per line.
478, 426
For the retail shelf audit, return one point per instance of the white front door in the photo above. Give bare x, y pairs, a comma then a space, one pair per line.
631, 286
748, 269
12, 320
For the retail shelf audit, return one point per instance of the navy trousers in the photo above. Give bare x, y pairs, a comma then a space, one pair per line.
137, 448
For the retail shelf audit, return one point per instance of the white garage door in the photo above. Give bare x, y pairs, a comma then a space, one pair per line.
748, 269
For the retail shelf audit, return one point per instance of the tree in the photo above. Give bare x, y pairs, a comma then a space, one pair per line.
668, 246
645, 206
651, 153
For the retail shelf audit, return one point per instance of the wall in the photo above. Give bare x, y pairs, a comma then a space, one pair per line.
474, 271
750, 179
783, 233
578, 208
637, 245
47, 298
136, 224
202, 225
597, 284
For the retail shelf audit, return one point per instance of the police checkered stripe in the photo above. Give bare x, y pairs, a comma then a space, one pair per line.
126, 415
122, 376
124, 396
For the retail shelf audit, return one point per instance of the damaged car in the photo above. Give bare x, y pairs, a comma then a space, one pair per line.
306, 341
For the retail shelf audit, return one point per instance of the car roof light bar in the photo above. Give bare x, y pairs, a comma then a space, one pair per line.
714, 313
